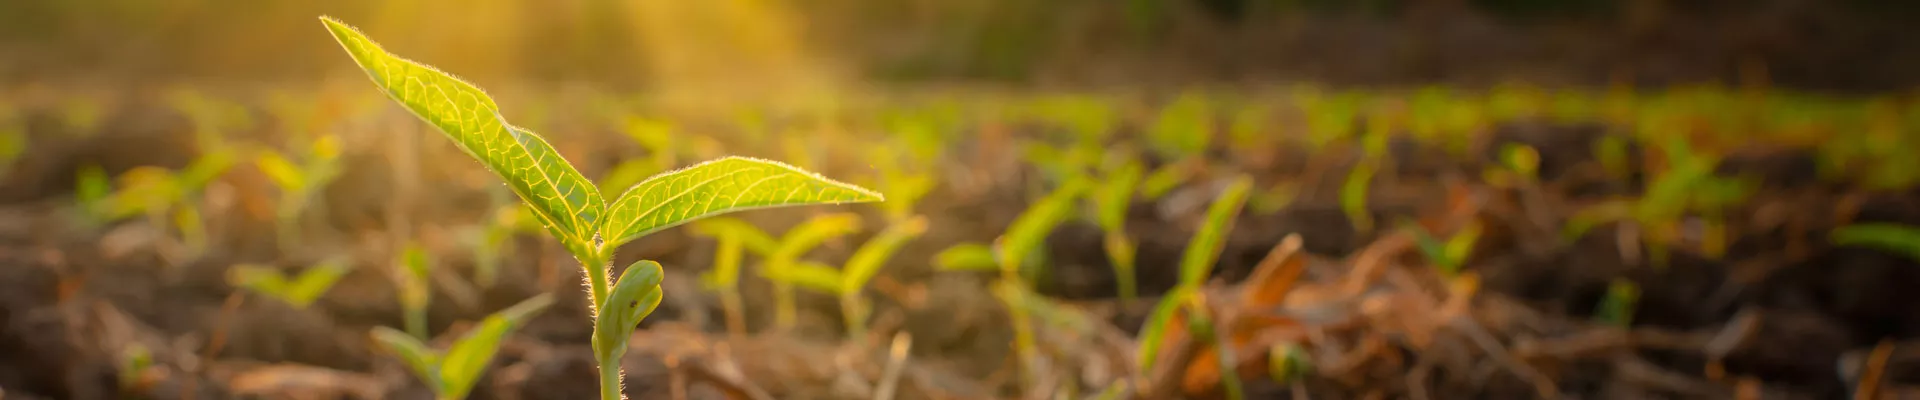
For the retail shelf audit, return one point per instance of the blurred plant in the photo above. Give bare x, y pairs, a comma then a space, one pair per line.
1011, 253
136, 363
733, 236
783, 266
1110, 202
413, 279
1518, 167
1184, 128
93, 195
571, 207
1168, 177
1687, 185
1900, 239
299, 182
1287, 363
492, 240
1617, 308
299, 291
850, 281
656, 137
452, 373
1353, 197
1195, 265
167, 198
1450, 254
904, 187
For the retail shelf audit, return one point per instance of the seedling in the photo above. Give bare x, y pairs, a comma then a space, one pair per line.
1111, 201
1617, 308
299, 291
299, 182
92, 195
1010, 251
850, 281
733, 236
1900, 239
571, 207
415, 287
1196, 264
452, 373
1167, 177
1519, 167
1448, 255
783, 266
169, 198
1353, 197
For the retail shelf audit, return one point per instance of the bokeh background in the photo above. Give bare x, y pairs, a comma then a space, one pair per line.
134, 185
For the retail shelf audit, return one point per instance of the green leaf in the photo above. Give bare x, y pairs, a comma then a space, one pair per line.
1151, 334
811, 233
204, 169
720, 186
1201, 252
566, 201
811, 275
1029, 230
421, 360
1353, 196
467, 360
259, 279
634, 295
866, 261
1115, 196
966, 257
750, 235
1902, 239
283, 172
315, 281
1165, 179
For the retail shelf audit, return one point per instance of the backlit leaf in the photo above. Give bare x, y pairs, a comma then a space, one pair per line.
866, 261
566, 201
315, 281
716, 187
966, 257
1204, 249
283, 172
467, 360
420, 359
1029, 230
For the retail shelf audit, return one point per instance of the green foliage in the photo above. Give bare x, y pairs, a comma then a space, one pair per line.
1900, 239
1111, 201
1287, 363
635, 295
733, 235
1353, 197
299, 291
865, 263
1028, 232
1183, 128
784, 267
720, 186
135, 360
1617, 307
299, 182
565, 202
967, 257
1153, 332
1449, 255
452, 374
1164, 179
416, 287
92, 191
1197, 262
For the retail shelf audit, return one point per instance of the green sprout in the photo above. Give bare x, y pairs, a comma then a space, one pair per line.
733, 236
1111, 201
848, 282
1195, 266
1166, 178
135, 364
1450, 254
1617, 307
1353, 196
299, 182
1519, 167
452, 373
784, 266
587, 225
92, 195
1900, 239
297, 291
413, 279
167, 198
1012, 249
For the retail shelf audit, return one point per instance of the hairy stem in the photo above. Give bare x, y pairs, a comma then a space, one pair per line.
610, 377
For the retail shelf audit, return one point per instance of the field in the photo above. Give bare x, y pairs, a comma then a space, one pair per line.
1503, 242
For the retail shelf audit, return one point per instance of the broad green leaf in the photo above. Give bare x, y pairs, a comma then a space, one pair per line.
315, 281
1902, 239
966, 257
716, 187
283, 172
1204, 249
811, 275
465, 362
1115, 195
1029, 230
634, 295
1151, 334
416, 355
566, 201
866, 261
750, 235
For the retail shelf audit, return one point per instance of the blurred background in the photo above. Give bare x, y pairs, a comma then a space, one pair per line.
1571, 199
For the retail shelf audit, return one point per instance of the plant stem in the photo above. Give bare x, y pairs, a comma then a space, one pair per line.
1023, 344
855, 317
784, 314
736, 319
417, 322
610, 380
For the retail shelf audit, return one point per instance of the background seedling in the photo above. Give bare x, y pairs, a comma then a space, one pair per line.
300, 291
1025, 236
733, 236
865, 263
1196, 264
783, 266
299, 182
1899, 239
1111, 201
588, 225
452, 373
415, 287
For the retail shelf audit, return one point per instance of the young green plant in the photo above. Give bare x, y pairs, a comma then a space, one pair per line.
1196, 264
1111, 201
452, 373
299, 182
297, 291
784, 266
587, 225
415, 288
1012, 249
732, 237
